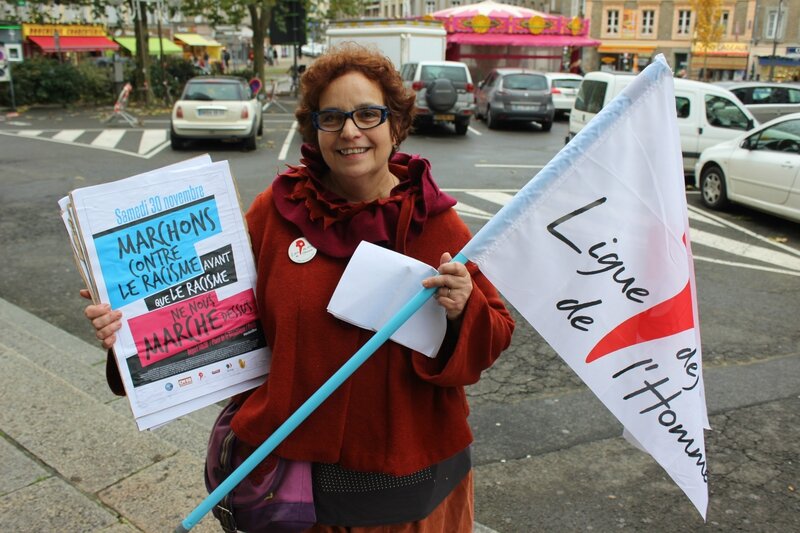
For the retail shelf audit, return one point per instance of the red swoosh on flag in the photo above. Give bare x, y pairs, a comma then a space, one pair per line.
662, 320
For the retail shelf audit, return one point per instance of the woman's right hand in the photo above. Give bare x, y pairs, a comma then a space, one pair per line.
106, 322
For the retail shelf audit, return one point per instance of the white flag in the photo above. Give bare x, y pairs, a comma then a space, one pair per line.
594, 252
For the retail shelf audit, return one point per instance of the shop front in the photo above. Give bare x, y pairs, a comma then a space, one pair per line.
719, 62
200, 50
627, 57
785, 67
488, 35
155, 48
69, 41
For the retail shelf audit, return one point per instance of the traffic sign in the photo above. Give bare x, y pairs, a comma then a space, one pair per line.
5, 67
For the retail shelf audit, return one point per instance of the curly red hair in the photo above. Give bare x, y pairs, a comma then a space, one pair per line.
351, 57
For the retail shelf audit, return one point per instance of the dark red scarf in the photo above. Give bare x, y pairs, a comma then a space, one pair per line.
336, 227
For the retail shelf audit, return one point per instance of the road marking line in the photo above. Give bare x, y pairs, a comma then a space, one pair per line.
151, 139
749, 251
287, 142
108, 138
493, 165
89, 146
28, 133
495, 197
478, 191
473, 130
746, 265
746, 231
68, 135
468, 210
701, 217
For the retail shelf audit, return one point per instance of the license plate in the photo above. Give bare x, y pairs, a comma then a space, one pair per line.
525, 107
210, 112
444, 117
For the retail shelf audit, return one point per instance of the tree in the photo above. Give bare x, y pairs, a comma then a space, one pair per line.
235, 12
259, 14
708, 27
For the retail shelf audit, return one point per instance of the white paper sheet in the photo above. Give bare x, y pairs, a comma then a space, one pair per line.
376, 284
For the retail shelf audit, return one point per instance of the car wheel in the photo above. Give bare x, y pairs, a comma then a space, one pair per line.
491, 119
261, 127
250, 142
712, 188
175, 141
547, 125
462, 126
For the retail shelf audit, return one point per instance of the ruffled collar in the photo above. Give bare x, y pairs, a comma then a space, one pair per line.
336, 227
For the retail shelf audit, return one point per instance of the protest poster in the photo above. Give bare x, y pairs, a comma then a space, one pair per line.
170, 250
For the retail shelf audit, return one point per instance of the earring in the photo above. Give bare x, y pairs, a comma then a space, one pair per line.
395, 147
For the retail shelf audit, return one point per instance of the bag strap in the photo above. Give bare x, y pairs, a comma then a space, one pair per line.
224, 509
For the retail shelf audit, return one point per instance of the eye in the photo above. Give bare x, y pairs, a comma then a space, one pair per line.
368, 114
329, 117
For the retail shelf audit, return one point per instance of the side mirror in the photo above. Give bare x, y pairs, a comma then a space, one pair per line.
750, 124
747, 144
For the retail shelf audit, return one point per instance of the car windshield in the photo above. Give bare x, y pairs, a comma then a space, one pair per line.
213, 90
434, 72
525, 82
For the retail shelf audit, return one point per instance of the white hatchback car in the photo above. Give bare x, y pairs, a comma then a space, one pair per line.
217, 107
564, 88
759, 169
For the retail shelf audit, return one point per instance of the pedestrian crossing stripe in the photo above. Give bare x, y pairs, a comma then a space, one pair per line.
765, 255
144, 143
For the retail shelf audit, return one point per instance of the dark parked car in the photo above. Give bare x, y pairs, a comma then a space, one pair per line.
514, 94
766, 100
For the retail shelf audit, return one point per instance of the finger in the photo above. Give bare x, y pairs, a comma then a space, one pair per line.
94, 311
107, 332
85, 294
446, 258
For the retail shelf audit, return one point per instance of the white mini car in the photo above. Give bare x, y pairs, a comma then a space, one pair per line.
217, 107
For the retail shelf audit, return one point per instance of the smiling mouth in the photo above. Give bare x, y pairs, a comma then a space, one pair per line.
352, 151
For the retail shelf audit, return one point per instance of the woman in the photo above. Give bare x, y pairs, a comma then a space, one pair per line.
391, 446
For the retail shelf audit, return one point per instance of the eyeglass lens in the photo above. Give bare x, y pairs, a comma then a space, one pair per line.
364, 118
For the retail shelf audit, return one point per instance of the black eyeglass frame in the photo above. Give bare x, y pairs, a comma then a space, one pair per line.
385, 112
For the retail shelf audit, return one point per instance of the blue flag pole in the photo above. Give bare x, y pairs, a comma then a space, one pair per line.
308, 407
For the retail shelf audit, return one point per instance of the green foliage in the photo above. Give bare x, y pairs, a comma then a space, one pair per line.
41, 80
177, 72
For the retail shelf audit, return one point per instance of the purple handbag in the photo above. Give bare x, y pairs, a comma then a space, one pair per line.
280, 500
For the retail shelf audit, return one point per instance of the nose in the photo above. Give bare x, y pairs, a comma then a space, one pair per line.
350, 130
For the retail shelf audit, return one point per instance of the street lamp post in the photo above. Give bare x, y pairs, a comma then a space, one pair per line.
775, 41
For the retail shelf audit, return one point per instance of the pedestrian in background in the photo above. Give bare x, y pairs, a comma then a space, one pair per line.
397, 429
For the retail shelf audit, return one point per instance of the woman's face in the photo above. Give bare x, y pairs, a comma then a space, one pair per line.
355, 155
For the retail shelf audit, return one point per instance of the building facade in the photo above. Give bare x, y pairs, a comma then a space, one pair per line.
752, 31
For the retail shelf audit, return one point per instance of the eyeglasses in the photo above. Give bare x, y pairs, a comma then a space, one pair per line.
364, 118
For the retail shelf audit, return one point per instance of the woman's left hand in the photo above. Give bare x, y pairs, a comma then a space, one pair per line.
455, 286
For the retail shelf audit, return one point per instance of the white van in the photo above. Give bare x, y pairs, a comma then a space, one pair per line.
707, 114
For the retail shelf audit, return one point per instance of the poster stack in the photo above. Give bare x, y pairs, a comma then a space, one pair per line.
170, 250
